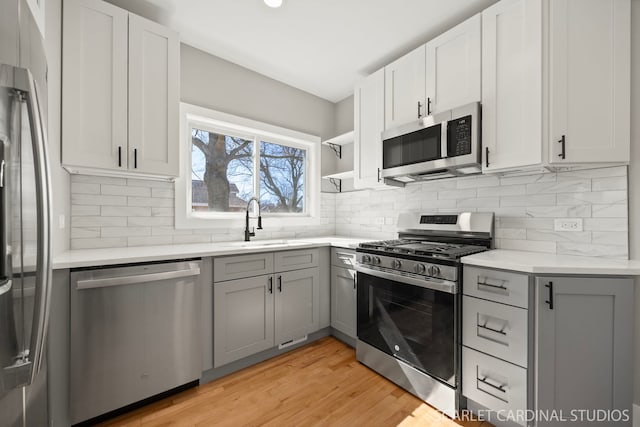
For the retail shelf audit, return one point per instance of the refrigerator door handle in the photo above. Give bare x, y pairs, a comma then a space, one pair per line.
43, 191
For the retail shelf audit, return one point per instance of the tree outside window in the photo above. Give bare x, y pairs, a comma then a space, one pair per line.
224, 178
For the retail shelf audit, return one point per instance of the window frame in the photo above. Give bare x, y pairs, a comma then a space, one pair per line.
210, 120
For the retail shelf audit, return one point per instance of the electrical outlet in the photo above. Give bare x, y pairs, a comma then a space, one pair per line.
61, 222
380, 220
568, 224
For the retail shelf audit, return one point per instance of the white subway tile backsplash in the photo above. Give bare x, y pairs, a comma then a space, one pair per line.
98, 221
594, 197
610, 183
85, 188
90, 199
84, 210
153, 202
529, 200
125, 231
128, 190
142, 213
591, 249
125, 211
154, 221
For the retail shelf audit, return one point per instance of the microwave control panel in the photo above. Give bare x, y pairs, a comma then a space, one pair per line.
459, 136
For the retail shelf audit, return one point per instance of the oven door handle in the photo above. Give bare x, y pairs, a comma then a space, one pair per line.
428, 283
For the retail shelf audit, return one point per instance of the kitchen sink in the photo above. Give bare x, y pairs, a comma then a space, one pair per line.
267, 243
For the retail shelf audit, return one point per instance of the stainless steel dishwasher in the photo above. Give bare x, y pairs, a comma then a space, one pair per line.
134, 334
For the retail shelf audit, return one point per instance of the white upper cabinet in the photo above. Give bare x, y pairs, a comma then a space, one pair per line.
154, 96
589, 81
120, 92
404, 88
453, 67
94, 78
368, 127
512, 84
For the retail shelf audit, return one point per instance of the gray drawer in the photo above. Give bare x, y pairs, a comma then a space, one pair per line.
343, 257
496, 329
241, 266
296, 260
494, 383
500, 286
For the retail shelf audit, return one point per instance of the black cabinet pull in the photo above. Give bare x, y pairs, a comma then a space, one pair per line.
119, 156
280, 283
135, 158
486, 156
562, 141
270, 285
428, 106
378, 174
354, 281
550, 300
419, 109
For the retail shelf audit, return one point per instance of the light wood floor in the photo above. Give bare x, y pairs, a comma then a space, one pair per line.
320, 384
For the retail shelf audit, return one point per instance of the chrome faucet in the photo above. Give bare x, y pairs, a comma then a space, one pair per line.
248, 234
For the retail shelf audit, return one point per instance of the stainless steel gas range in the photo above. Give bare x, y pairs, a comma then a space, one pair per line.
409, 295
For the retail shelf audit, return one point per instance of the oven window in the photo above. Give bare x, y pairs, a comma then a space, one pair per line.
411, 323
416, 147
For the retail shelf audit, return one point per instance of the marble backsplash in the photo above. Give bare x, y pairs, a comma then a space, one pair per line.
120, 212
525, 207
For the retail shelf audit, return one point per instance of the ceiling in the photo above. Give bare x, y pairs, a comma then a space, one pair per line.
320, 46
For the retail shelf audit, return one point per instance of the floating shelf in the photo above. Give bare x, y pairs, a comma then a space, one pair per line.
337, 142
339, 175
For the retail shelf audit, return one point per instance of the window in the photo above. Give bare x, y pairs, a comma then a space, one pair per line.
232, 160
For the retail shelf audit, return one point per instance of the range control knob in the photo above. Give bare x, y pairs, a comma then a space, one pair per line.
420, 268
366, 258
396, 264
376, 260
433, 270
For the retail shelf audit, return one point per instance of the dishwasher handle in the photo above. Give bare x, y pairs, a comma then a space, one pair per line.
137, 278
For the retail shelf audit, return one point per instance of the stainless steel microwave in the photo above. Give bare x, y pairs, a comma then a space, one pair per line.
443, 145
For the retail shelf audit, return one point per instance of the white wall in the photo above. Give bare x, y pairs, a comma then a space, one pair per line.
59, 177
634, 179
212, 82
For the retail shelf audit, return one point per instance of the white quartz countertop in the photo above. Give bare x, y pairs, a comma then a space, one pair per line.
113, 256
539, 263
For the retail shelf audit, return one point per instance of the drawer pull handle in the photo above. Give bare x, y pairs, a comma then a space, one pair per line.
493, 288
501, 388
550, 300
501, 331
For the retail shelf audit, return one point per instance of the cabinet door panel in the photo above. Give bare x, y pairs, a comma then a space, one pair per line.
590, 80
369, 124
94, 101
512, 84
590, 318
243, 318
404, 88
343, 300
154, 76
297, 304
453, 66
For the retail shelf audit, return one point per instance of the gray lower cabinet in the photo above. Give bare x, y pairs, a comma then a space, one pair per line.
243, 318
259, 311
569, 351
343, 291
584, 344
297, 304
343, 300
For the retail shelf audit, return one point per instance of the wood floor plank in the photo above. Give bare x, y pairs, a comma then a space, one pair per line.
320, 384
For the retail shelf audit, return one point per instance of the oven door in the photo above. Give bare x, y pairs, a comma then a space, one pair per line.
413, 323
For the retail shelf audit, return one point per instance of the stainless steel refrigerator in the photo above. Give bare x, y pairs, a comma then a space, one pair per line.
25, 218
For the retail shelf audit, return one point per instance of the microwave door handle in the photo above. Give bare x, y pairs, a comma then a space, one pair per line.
443, 139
